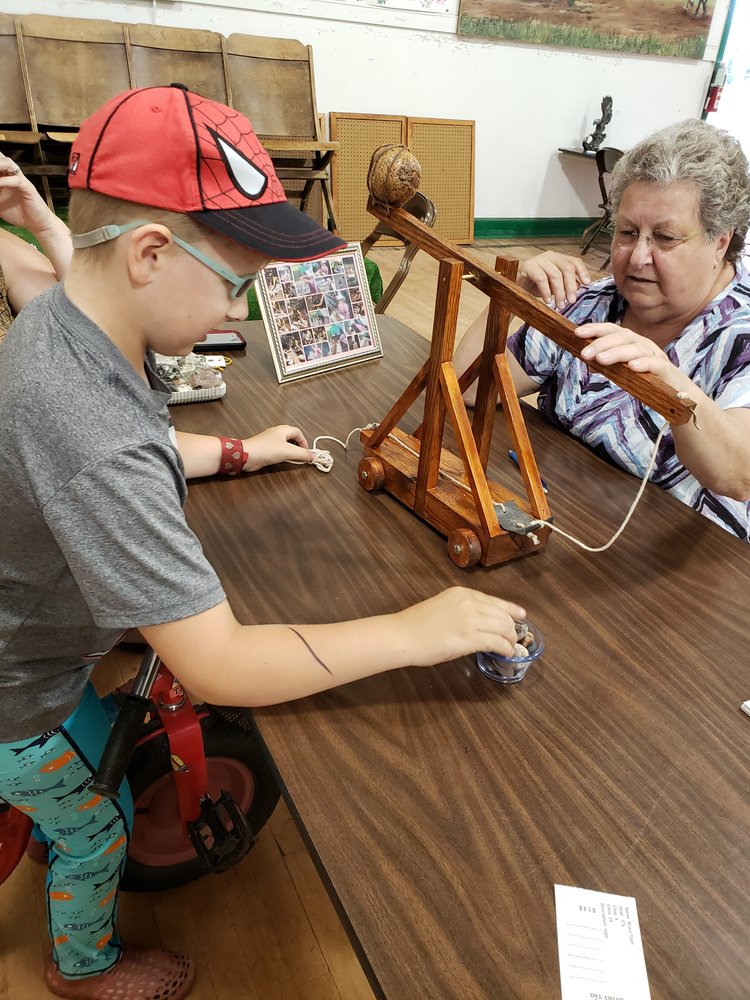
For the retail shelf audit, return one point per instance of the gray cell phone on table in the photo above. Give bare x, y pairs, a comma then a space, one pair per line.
221, 340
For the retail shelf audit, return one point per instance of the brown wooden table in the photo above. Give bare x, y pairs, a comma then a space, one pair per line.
442, 808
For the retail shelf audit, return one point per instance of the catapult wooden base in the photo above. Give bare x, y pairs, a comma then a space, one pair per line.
449, 508
483, 522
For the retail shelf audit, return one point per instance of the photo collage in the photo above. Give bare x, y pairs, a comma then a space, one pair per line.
319, 313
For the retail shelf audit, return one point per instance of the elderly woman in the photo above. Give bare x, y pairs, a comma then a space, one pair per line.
677, 305
24, 272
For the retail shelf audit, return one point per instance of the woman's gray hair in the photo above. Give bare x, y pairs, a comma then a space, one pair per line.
694, 152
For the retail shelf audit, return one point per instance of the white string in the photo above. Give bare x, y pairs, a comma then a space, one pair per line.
344, 444
629, 514
323, 460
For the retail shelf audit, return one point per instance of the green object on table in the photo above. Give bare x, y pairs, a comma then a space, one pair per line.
374, 280
252, 305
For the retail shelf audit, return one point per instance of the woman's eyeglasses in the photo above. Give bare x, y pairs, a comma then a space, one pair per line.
658, 243
241, 283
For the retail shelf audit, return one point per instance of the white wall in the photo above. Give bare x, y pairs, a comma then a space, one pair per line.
526, 101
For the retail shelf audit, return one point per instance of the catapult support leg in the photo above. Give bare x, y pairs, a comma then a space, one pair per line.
443, 339
495, 337
475, 473
522, 444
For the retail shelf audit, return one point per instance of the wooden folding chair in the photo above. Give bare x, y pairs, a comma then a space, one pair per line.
272, 83
72, 66
18, 139
606, 158
160, 56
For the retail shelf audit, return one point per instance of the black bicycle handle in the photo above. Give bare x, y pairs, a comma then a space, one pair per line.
126, 730
119, 748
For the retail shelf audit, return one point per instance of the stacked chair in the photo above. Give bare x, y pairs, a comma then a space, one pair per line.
272, 83
58, 70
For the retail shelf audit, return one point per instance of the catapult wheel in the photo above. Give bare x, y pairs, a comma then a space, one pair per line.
370, 474
464, 548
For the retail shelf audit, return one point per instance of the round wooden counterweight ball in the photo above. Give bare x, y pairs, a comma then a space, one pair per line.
394, 175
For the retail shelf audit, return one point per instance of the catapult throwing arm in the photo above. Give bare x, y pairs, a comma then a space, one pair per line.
643, 386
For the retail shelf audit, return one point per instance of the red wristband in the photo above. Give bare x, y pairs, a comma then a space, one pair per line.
233, 457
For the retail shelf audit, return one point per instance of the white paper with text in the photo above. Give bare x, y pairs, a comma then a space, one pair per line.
599, 941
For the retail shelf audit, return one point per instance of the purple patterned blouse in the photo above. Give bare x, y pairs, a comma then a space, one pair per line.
714, 351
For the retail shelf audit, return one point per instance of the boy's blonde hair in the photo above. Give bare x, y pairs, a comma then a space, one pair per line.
90, 210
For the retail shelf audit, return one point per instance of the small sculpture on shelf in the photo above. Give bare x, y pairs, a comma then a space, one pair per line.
592, 142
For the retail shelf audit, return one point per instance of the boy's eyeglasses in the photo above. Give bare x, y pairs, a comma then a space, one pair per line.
658, 243
240, 283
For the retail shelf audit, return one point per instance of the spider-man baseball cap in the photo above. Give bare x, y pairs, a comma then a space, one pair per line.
175, 150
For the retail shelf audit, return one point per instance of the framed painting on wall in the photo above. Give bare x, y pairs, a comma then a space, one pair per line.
646, 27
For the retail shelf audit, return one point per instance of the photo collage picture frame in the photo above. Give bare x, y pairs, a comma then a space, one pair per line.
318, 314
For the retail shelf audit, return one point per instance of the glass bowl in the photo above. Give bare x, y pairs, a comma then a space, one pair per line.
512, 669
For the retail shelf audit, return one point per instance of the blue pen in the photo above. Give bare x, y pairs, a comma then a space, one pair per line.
514, 459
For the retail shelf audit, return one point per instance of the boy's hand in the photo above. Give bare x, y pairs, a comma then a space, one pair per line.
276, 444
457, 622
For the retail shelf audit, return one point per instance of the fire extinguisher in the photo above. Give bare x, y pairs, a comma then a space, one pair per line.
715, 88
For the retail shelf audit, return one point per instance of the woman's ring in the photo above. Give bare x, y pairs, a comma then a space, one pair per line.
653, 353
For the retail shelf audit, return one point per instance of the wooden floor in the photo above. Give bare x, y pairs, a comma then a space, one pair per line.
266, 930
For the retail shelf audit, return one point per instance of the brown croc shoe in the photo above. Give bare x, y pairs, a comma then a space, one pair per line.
145, 974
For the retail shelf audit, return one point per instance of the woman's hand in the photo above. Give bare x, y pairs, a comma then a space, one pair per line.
28, 272
609, 343
276, 444
457, 622
714, 446
554, 277
20, 202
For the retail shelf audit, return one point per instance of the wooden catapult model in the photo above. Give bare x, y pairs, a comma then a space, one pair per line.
483, 522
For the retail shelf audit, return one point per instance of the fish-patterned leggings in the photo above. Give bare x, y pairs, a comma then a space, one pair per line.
48, 778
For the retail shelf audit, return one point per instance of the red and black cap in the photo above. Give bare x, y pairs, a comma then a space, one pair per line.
175, 150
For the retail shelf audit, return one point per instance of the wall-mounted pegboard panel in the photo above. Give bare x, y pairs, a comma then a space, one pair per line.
360, 136
445, 150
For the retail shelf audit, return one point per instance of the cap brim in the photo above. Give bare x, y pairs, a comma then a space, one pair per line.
278, 231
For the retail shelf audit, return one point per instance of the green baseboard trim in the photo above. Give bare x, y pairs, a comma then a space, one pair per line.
487, 229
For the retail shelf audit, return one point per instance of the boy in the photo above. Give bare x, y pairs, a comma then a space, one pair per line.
174, 208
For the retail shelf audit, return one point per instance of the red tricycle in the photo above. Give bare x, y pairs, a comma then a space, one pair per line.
202, 784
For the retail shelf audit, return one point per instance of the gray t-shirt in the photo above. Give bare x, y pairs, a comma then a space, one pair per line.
93, 538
